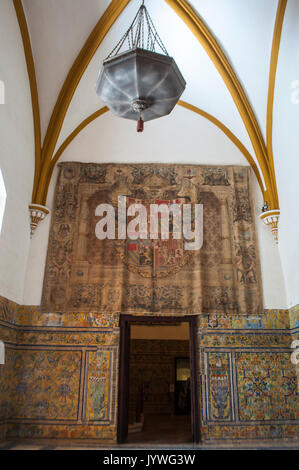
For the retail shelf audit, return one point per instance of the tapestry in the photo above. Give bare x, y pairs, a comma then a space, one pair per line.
153, 276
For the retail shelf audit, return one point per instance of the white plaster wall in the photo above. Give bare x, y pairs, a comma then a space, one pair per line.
286, 150
16, 155
173, 139
58, 29
38, 252
272, 275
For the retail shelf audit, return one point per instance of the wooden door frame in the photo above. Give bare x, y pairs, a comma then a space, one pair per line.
124, 359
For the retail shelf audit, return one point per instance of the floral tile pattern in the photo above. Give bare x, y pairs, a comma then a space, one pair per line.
60, 375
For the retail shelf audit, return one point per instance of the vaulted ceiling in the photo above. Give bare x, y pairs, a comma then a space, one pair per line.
227, 51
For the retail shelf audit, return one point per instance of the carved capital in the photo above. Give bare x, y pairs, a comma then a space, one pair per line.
37, 213
271, 218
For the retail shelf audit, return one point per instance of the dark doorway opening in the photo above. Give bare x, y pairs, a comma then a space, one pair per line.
170, 410
182, 397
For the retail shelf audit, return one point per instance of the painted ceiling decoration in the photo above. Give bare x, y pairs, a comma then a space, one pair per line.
47, 154
136, 82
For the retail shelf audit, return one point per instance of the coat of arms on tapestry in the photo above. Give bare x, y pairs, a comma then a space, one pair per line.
153, 276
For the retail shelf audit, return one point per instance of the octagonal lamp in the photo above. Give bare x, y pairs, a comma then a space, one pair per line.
140, 83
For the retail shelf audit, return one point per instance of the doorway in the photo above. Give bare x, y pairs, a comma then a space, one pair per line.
158, 379
182, 398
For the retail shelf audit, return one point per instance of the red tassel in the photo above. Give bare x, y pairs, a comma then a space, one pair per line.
140, 125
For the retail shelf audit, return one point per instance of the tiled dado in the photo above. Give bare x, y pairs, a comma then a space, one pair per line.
248, 385
25, 315
61, 392
60, 375
274, 319
294, 317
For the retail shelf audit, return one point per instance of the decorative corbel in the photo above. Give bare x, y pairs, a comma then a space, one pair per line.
37, 213
271, 219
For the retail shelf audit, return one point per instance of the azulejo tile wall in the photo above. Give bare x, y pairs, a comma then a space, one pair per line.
248, 384
60, 375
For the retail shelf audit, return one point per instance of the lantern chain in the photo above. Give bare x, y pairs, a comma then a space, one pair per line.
142, 27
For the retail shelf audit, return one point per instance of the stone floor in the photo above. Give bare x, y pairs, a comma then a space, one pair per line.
75, 445
160, 432
164, 428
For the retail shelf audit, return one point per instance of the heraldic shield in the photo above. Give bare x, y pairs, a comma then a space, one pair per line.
155, 257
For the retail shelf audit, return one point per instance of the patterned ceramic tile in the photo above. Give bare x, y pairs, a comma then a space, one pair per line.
294, 317
266, 386
100, 367
219, 387
270, 319
60, 375
45, 384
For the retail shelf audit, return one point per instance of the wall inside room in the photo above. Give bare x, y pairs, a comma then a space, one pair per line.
179, 331
172, 139
153, 349
152, 366
286, 149
234, 352
16, 155
75, 355
62, 385
247, 382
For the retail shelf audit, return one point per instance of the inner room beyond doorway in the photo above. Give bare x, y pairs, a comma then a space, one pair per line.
159, 383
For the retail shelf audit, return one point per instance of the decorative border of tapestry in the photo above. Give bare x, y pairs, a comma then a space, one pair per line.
153, 276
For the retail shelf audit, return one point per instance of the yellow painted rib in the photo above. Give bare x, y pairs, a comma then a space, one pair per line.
71, 82
44, 160
66, 143
271, 87
213, 49
185, 105
33, 87
229, 134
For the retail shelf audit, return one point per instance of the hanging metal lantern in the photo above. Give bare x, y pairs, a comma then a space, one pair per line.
140, 83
